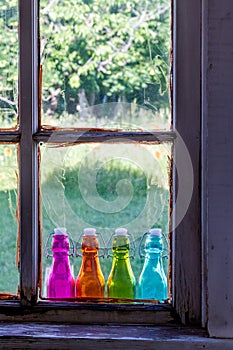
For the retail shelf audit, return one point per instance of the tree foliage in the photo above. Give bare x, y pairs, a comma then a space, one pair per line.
111, 50
8, 57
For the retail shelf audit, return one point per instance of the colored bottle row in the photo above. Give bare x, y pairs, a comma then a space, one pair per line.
121, 282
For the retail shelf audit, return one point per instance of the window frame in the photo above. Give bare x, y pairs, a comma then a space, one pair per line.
187, 104
217, 171
186, 52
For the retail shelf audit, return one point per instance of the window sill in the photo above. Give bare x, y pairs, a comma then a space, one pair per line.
50, 336
87, 313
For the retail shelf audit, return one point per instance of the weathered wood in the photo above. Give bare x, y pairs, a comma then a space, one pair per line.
9, 136
81, 136
28, 111
87, 313
218, 124
47, 336
187, 121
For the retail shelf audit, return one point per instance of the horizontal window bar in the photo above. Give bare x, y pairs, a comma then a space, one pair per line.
77, 136
9, 136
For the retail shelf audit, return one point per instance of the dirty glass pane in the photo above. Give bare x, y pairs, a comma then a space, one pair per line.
9, 277
8, 63
106, 64
105, 186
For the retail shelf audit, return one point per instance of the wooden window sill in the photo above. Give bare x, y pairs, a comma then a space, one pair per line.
87, 313
50, 336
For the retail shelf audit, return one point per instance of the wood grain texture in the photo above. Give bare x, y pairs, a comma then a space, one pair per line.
60, 313
219, 161
87, 136
28, 183
187, 118
9, 136
47, 336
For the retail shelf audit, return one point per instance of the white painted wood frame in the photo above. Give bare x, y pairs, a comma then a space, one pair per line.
218, 164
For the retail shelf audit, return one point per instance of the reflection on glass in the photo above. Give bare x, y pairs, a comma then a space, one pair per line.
112, 53
8, 63
9, 278
105, 186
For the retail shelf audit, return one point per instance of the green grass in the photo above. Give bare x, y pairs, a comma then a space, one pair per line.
9, 277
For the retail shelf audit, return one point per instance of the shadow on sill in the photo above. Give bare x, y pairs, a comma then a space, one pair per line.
50, 336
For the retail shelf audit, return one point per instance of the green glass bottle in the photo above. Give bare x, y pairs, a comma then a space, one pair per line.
121, 281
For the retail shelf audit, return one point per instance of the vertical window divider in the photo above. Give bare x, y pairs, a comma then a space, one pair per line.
28, 115
186, 237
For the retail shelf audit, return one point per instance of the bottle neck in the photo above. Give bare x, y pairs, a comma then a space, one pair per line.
121, 255
90, 252
61, 256
61, 264
121, 265
90, 262
153, 257
90, 256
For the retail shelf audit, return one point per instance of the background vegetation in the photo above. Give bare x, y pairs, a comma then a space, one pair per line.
92, 52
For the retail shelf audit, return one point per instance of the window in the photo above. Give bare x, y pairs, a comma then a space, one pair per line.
31, 136
28, 148
196, 235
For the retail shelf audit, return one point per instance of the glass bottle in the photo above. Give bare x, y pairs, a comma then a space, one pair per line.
90, 281
121, 281
61, 283
152, 282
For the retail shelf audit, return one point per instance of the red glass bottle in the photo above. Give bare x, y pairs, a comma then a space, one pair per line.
90, 281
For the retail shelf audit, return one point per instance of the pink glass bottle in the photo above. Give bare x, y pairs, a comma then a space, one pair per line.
61, 283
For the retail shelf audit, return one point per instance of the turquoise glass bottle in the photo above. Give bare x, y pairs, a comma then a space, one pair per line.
121, 281
152, 282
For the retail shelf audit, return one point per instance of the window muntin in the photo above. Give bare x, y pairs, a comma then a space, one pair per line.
9, 64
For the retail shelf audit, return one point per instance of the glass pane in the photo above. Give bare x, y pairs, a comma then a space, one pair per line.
105, 186
9, 277
106, 64
8, 63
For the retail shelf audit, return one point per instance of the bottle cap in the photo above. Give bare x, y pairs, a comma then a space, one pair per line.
155, 232
89, 232
121, 232
60, 231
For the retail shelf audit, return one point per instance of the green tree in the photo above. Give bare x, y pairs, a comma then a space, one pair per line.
111, 50
8, 59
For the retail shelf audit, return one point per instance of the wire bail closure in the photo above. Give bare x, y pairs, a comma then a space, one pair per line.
141, 255
79, 242
132, 246
49, 249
